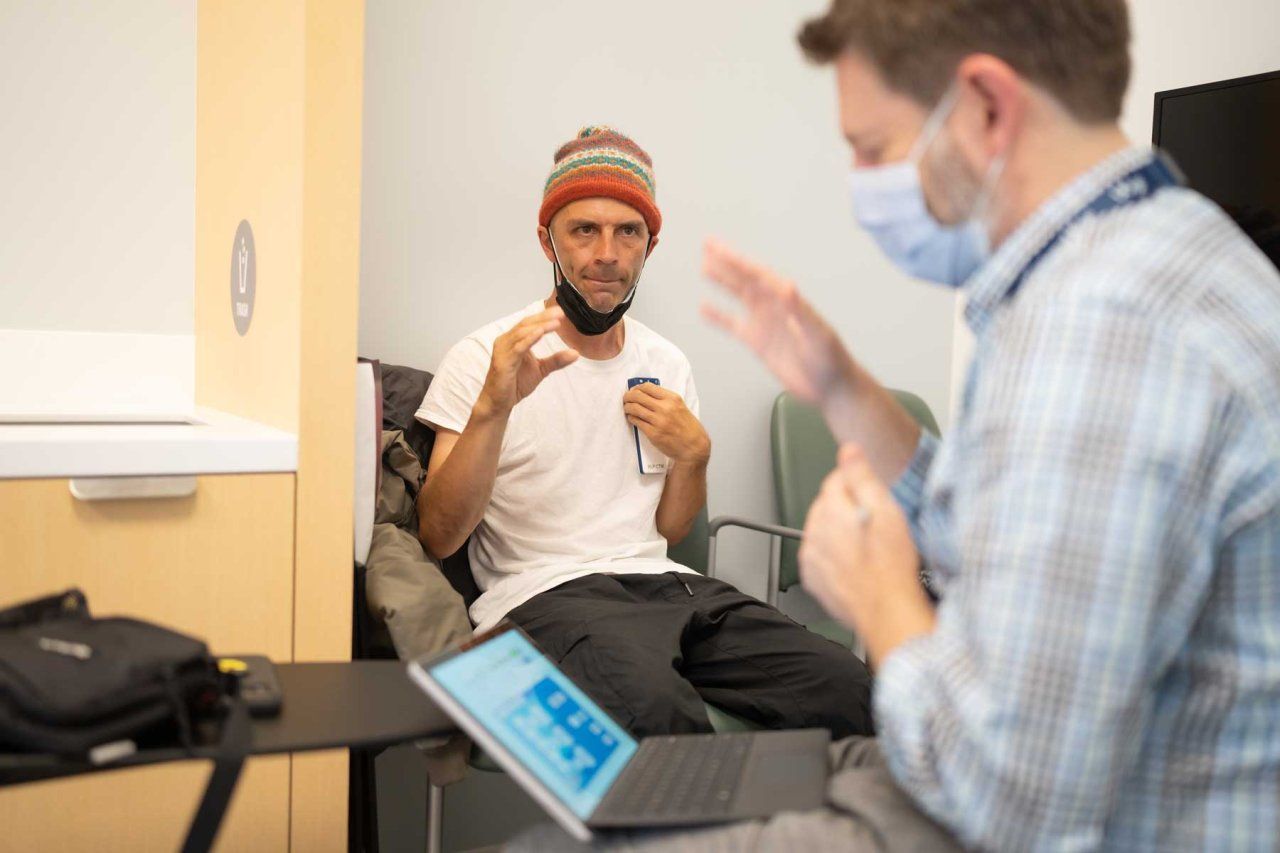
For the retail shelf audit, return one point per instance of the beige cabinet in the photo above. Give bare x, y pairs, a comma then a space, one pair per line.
250, 562
218, 565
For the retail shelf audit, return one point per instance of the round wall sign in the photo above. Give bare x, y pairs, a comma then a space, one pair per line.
244, 275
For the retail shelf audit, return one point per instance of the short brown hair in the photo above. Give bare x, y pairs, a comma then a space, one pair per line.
1077, 50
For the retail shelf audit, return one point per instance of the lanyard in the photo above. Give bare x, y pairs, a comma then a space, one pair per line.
1131, 188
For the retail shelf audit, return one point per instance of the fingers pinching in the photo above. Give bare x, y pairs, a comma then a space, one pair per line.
548, 317
524, 341
532, 329
834, 485
636, 412
656, 392
863, 485
637, 397
557, 361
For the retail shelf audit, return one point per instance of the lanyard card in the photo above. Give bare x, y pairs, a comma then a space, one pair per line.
651, 459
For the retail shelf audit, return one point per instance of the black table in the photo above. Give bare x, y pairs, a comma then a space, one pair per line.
359, 704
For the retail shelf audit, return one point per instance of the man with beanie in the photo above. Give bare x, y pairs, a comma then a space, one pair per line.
568, 448
1100, 668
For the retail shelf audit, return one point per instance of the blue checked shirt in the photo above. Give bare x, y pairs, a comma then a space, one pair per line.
1103, 528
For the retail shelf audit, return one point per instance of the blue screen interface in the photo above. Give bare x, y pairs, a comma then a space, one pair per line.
540, 716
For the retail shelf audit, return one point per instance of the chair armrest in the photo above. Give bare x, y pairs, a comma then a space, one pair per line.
763, 527
776, 533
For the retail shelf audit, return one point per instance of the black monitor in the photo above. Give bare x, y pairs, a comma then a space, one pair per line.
1225, 136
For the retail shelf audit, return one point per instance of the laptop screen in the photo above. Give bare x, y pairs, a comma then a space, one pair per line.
540, 716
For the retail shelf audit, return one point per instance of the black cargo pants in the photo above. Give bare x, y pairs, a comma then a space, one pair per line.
651, 648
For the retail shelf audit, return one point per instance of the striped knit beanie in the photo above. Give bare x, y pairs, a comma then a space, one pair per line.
601, 162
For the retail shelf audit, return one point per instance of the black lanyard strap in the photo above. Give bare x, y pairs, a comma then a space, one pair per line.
1134, 186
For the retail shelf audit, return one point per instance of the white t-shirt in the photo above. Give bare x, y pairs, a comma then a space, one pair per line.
569, 499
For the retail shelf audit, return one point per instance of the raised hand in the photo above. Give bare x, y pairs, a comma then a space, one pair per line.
797, 345
514, 371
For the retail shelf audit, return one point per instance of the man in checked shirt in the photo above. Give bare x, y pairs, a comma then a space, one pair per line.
1101, 526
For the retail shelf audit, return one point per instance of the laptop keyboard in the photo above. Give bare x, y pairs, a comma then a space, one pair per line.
682, 775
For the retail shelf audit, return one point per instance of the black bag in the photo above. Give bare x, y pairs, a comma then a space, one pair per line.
70, 682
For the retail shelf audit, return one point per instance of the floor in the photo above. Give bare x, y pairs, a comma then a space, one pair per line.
483, 810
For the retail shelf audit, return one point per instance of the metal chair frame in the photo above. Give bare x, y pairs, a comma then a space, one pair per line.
776, 533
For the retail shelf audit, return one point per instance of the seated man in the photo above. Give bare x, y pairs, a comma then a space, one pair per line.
535, 460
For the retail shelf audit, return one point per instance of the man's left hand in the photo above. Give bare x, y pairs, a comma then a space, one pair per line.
663, 417
857, 558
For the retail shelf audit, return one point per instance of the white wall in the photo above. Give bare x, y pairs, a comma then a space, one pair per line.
97, 162
465, 104
1180, 43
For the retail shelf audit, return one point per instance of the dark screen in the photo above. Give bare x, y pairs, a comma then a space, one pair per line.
1227, 142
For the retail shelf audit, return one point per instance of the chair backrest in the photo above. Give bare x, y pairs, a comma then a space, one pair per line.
804, 452
456, 569
370, 639
691, 551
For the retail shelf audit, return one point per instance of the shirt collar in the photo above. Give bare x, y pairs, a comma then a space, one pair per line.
991, 284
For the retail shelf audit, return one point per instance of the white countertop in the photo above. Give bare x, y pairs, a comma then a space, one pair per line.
216, 443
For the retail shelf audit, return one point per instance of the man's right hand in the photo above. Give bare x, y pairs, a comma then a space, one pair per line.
514, 371
794, 342
806, 354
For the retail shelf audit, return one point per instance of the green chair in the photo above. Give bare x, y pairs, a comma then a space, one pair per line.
804, 452
692, 550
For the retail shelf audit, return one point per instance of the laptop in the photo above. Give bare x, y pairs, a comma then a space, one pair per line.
587, 772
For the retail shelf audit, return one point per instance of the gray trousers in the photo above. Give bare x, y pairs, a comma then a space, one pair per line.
865, 811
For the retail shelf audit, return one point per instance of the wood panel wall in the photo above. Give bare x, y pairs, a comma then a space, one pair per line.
279, 89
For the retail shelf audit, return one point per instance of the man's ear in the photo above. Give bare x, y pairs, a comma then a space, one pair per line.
544, 238
653, 244
992, 108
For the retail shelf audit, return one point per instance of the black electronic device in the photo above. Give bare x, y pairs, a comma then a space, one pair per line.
259, 686
1225, 137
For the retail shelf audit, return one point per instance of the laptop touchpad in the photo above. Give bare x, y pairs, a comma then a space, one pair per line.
787, 771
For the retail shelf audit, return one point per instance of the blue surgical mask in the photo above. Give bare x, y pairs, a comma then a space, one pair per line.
889, 203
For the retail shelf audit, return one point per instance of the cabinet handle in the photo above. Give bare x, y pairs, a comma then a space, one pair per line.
131, 488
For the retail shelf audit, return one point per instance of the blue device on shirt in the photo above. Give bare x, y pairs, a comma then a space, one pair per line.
650, 459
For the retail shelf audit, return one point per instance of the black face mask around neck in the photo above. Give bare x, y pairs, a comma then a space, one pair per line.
584, 318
